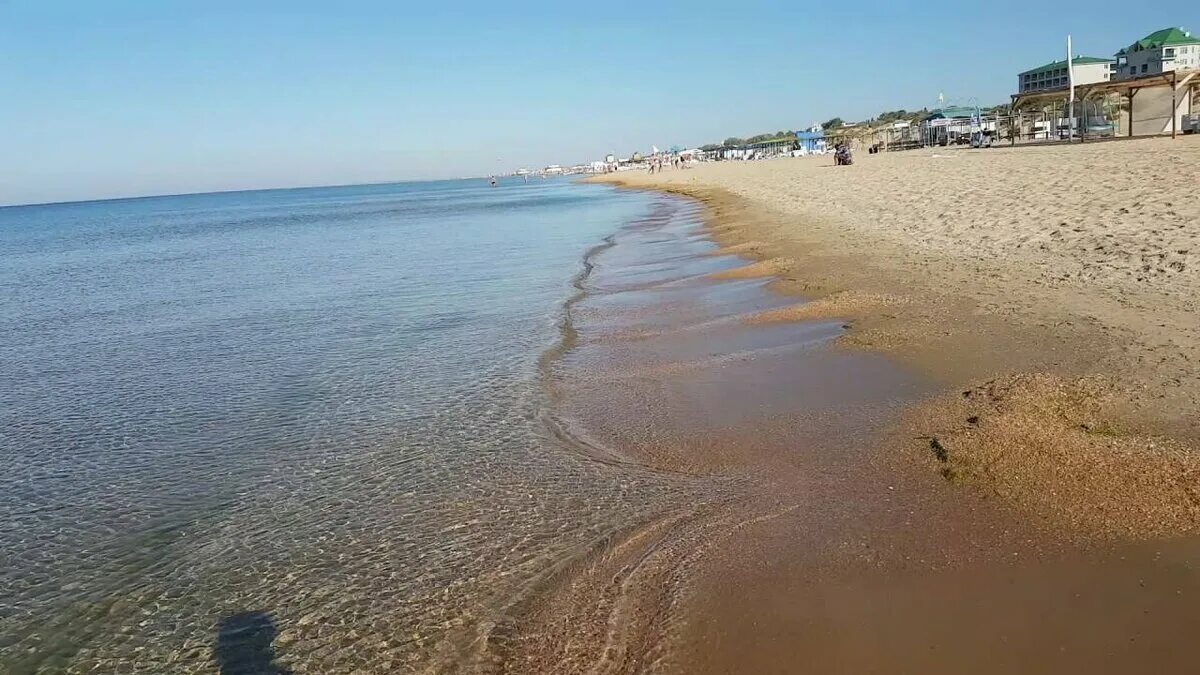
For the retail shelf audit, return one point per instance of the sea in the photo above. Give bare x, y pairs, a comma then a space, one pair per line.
303, 429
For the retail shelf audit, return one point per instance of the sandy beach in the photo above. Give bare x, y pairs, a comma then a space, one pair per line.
1051, 290
905, 455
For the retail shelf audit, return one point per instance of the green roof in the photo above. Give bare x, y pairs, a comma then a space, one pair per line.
1162, 38
1077, 61
951, 112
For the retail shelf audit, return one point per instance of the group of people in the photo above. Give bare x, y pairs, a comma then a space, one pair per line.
842, 156
657, 163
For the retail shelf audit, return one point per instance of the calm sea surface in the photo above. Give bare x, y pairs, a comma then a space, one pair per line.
296, 424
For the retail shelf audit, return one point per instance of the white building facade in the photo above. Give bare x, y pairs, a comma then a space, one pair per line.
1088, 70
1159, 52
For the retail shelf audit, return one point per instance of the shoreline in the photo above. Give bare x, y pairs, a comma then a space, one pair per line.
1050, 409
839, 544
664, 373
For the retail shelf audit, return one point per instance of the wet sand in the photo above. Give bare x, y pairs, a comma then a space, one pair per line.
1125, 611
829, 537
970, 268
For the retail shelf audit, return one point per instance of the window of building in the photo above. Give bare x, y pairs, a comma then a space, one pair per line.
1168, 52
1145, 67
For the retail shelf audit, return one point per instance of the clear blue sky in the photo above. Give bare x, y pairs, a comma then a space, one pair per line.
115, 98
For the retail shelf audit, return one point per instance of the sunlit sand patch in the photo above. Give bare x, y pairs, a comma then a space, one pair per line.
844, 305
1058, 450
763, 268
745, 247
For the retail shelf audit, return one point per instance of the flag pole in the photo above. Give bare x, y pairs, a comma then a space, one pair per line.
1071, 95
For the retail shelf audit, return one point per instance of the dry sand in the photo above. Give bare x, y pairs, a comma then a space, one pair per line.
1078, 264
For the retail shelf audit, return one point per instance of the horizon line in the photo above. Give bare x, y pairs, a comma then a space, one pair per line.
231, 191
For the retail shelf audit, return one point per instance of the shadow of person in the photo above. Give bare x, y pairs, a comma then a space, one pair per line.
245, 645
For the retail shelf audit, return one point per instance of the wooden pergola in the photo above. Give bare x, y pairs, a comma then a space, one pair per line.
1177, 80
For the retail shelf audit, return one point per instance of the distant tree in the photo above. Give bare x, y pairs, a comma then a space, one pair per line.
832, 124
893, 115
733, 141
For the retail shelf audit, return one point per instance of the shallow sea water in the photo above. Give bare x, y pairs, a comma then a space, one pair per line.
299, 429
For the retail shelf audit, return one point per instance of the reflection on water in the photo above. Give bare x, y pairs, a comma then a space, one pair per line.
322, 402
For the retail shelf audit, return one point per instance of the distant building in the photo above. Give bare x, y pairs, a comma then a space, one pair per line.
1159, 52
1088, 70
812, 140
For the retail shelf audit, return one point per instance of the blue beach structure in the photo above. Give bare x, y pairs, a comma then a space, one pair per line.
812, 140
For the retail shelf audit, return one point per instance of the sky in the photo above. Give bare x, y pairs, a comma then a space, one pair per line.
123, 98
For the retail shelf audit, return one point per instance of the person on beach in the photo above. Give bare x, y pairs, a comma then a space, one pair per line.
841, 154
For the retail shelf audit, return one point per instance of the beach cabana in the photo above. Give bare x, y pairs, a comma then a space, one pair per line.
948, 125
1148, 100
771, 147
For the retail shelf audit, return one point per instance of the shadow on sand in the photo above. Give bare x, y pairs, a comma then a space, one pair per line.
245, 645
